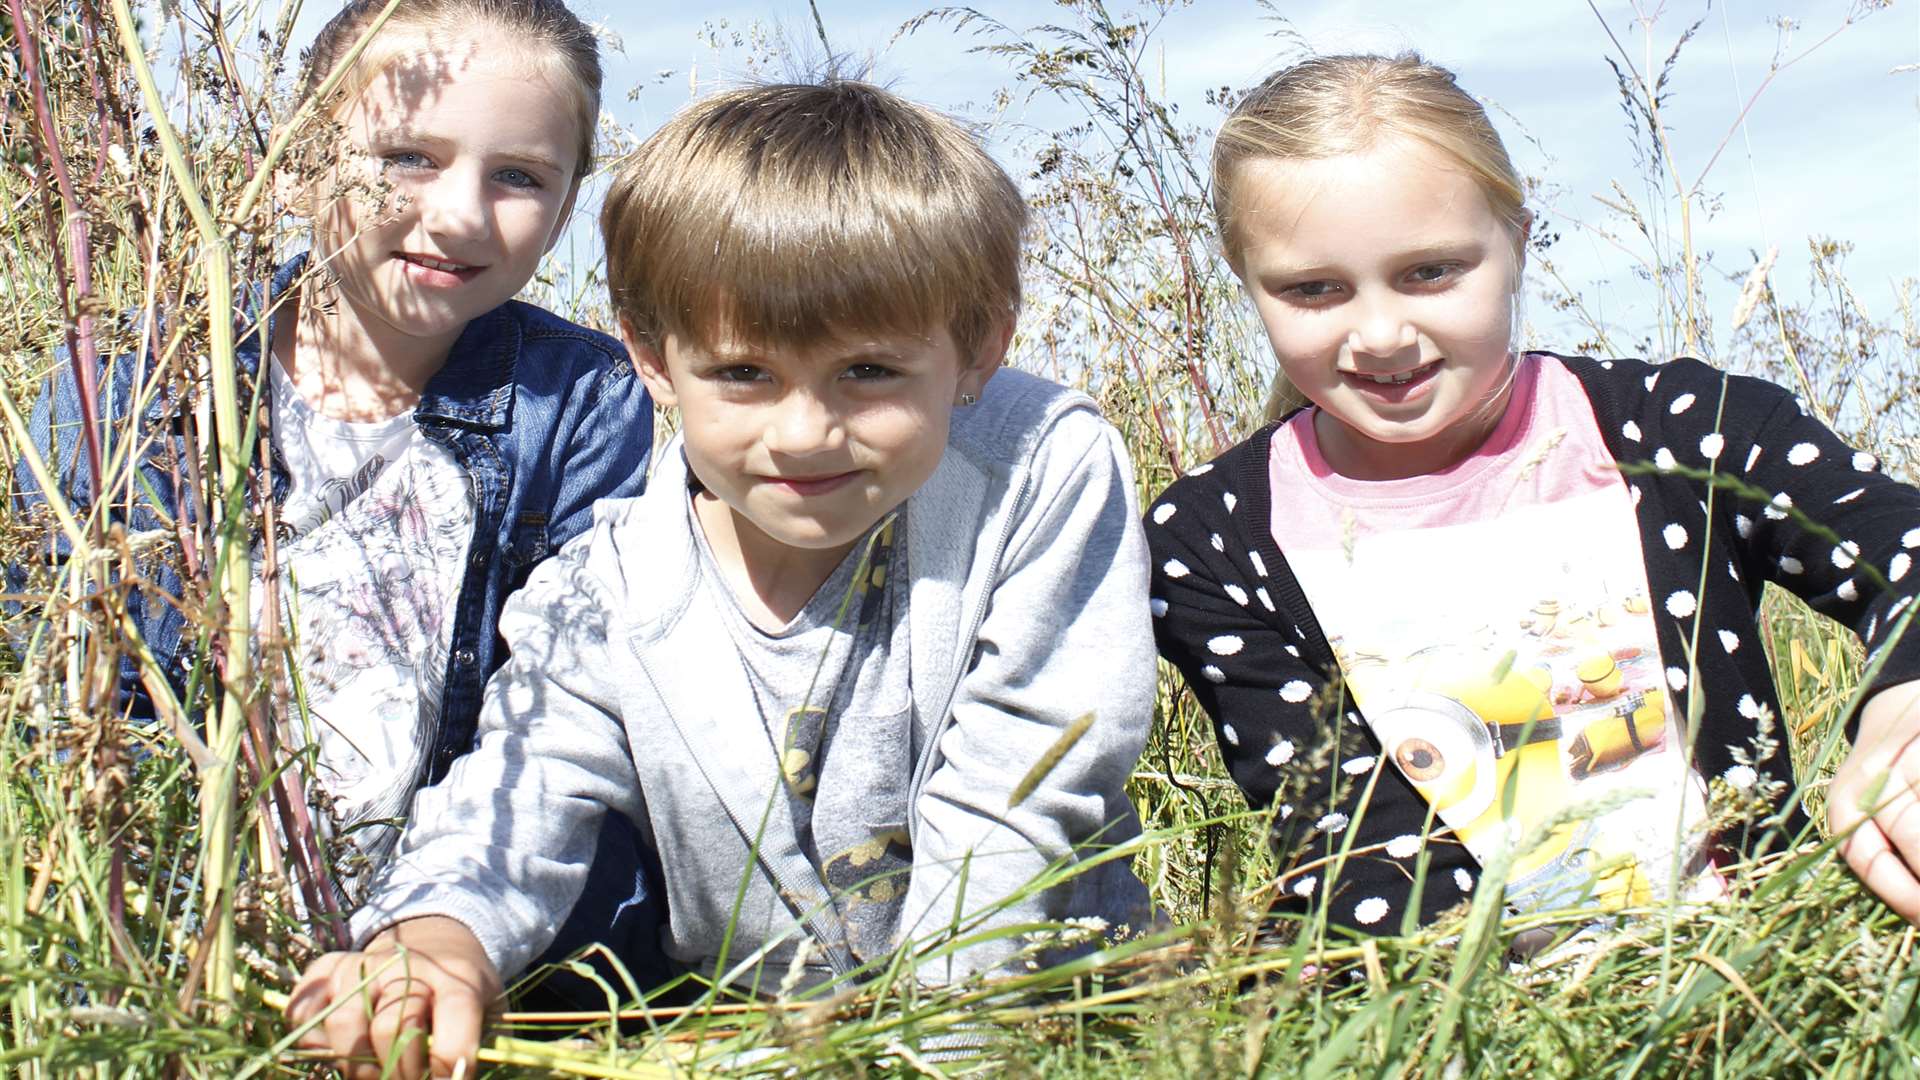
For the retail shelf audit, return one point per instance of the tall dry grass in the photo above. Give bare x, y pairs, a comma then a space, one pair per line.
148, 871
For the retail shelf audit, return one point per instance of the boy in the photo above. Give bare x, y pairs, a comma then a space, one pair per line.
871, 591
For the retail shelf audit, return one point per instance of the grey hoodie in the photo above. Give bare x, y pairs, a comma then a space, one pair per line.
1027, 609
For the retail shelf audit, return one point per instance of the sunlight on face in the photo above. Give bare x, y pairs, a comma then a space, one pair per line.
1386, 286
458, 180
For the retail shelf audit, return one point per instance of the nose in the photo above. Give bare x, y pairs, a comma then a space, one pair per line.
1381, 329
804, 423
455, 209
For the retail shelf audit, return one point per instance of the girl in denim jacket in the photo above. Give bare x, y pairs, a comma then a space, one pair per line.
431, 437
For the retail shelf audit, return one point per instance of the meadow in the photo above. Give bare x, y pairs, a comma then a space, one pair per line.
149, 871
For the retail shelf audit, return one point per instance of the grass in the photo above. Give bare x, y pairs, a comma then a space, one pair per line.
146, 896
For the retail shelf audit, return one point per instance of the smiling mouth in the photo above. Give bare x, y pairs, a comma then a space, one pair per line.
431, 263
1397, 379
811, 485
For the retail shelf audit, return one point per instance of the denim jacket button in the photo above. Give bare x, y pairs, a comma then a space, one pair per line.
477, 560
463, 657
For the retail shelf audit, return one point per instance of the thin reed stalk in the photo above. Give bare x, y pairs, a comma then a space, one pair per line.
218, 803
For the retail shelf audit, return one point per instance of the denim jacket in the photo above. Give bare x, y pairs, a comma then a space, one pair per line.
543, 415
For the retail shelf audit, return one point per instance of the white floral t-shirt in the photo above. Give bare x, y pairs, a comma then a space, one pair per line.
381, 520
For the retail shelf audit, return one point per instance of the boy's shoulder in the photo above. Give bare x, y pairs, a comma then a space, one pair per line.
1016, 411
634, 561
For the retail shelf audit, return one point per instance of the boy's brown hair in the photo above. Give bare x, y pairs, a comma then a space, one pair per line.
784, 215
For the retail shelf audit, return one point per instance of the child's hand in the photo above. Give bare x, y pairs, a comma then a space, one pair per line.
1874, 800
443, 984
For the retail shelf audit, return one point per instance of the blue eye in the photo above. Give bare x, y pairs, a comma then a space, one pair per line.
519, 178
869, 372
406, 159
1311, 293
1433, 273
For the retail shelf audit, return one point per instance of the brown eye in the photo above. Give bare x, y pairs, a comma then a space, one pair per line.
1420, 760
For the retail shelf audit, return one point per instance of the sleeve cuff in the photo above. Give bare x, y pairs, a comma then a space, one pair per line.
510, 952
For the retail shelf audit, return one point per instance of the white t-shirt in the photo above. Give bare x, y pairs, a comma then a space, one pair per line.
381, 520
836, 698
1493, 623
329, 462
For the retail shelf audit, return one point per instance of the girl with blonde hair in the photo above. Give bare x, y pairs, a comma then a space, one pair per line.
1459, 607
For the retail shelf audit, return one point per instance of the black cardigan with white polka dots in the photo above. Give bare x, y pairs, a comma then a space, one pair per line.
1733, 485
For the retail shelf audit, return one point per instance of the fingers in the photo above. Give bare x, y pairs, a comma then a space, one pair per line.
1898, 814
1882, 869
1874, 805
399, 1024
344, 1029
311, 996
459, 1018
1845, 809
372, 1015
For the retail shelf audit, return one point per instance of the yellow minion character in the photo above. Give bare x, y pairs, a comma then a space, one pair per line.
1636, 725
1468, 737
1542, 620
1600, 677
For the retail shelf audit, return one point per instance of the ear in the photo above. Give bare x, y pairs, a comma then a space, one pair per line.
651, 364
560, 223
1231, 255
1520, 242
987, 357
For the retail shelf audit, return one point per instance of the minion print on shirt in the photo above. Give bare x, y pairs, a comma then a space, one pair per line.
1496, 631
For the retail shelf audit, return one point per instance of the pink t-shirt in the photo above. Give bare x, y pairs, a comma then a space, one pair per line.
1493, 618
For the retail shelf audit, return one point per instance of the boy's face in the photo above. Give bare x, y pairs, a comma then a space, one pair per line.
809, 447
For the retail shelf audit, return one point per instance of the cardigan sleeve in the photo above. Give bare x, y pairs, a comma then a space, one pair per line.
1287, 734
505, 842
1065, 635
1821, 519
1215, 620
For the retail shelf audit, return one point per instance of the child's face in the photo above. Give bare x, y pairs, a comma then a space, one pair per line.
810, 447
478, 145
1386, 285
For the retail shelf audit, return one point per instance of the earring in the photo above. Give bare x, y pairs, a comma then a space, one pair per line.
968, 399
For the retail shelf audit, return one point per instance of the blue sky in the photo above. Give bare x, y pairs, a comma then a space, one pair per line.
1832, 147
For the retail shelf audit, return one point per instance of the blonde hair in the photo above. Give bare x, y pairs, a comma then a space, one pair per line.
787, 214
1334, 105
529, 23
